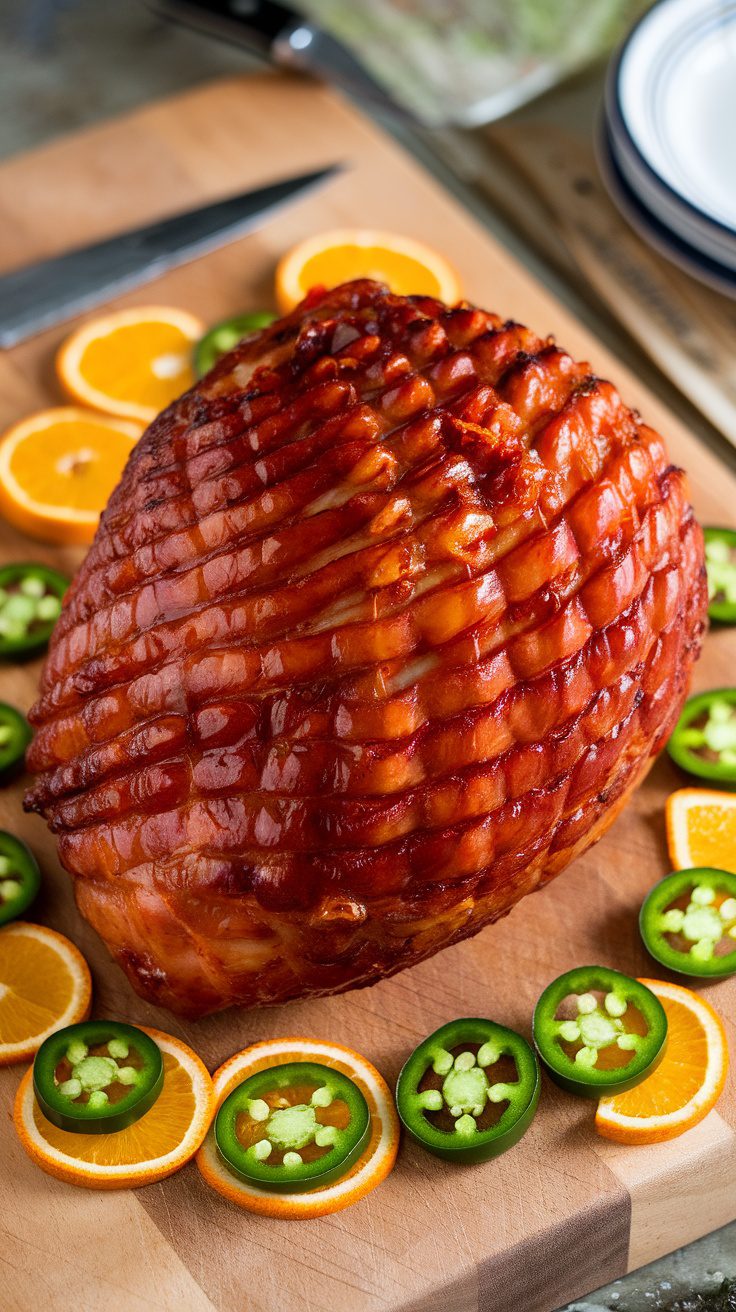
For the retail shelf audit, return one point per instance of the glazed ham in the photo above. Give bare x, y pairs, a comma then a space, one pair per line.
381, 626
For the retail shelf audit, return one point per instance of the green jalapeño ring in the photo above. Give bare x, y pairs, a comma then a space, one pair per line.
30, 604
703, 741
469, 1091
15, 735
720, 564
97, 1077
20, 877
293, 1127
688, 922
599, 1032
225, 335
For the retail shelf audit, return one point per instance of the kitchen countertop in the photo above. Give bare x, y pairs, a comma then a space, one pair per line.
64, 63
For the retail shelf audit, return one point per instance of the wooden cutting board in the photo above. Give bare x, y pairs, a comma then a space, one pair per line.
564, 1211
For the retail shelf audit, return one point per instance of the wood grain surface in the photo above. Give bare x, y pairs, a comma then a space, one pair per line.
688, 329
564, 1211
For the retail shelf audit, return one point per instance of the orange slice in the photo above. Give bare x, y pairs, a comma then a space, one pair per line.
701, 829
364, 1175
686, 1084
130, 362
330, 258
44, 984
158, 1144
58, 468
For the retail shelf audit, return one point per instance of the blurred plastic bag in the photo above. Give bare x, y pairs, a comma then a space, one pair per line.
466, 62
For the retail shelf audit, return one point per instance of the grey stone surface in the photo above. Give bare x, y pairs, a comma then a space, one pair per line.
65, 63
700, 1267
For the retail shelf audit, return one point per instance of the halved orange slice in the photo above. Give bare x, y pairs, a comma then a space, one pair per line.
686, 1084
44, 984
701, 829
409, 267
58, 468
131, 362
158, 1144
365, 1174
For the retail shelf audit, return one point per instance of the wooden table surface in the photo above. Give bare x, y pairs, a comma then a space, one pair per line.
564, 1211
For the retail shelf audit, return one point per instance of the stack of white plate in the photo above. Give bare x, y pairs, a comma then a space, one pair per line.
668, 141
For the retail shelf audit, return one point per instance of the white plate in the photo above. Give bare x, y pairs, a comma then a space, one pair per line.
675, 90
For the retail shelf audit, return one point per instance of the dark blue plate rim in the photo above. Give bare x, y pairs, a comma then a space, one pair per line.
688, 255
640, 200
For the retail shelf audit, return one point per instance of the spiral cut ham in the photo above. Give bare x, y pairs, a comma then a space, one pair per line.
381, 626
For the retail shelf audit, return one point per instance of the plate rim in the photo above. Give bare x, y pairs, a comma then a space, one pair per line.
688, 258
617, 122
684, 226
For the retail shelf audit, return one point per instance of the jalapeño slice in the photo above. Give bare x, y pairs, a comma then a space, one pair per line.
20, 877
15, 735
469, 1091
688, 922
97, 1077
720, 564
293, 1127
599, 1032
225, 335
30, 605
703, 741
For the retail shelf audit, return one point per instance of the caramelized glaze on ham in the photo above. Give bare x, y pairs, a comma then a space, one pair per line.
382, 624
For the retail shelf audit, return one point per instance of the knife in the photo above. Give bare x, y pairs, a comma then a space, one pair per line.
279, 33
39, 295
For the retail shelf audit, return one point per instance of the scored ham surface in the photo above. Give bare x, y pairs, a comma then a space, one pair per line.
382, 624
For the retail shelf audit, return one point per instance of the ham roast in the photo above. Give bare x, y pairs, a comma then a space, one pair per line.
382, 625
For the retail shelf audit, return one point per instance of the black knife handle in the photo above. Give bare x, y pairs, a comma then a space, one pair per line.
284, 37
256, 23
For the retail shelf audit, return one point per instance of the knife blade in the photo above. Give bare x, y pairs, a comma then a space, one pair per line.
279, 33
39, 295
